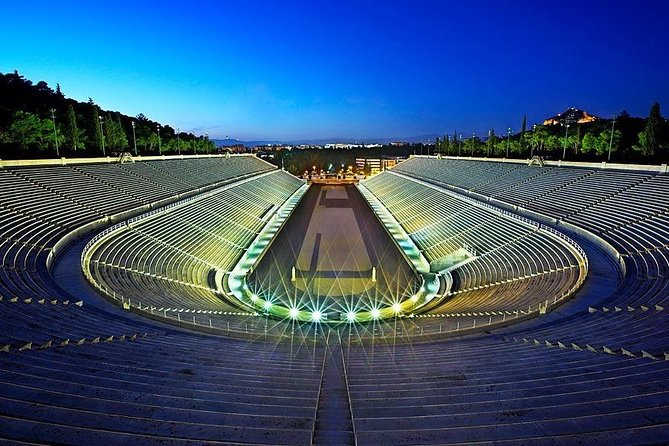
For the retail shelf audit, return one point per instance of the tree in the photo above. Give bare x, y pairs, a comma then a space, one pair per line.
454, 143
95, 132
540, 137
650, 138
611, 141
121, 137
500, 147
74, 136
471, 145
437, 145
568, 141
551, 142
589, 143
523, 128
26, 129
600, 143
490, 144
115, 137
48, 134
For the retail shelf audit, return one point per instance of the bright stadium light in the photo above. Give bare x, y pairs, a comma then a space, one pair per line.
254, 298
375, 313
293, 313
316, 316
397, 308
267, 305
350, 316
414, 298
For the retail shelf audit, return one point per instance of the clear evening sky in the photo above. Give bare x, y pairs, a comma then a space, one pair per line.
360, 69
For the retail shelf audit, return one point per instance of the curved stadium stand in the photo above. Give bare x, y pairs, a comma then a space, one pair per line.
76, 369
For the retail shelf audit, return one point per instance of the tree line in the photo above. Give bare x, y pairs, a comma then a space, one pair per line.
38, 122
622, 139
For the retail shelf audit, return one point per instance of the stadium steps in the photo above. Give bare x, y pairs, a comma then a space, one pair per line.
606, 198
56, 192
110, 184
333, 424
561, 186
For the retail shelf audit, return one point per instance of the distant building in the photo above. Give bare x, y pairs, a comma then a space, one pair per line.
237, 148
374, 165
570, 116
360, 164
389, 164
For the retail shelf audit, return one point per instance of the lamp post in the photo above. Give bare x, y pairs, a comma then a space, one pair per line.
473, 143
487, 150
206, 142
102, 136
160, 148
534, 129
55, 133
508, 141
178, 144
134, 137
460, 146
448, 146
613, 126
564, 146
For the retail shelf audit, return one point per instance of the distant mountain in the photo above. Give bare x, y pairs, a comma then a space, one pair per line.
233, 142
571, 115
322, 141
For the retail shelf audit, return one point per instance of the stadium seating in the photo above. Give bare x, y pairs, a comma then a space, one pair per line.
39, 206
168, 260
80, 370
507, 250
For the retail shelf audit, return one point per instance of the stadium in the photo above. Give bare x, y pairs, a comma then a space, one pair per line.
217, 299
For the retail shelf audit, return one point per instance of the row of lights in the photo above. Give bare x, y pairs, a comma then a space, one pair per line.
317, 315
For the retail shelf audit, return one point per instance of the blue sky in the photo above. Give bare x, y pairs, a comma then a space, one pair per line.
360, 69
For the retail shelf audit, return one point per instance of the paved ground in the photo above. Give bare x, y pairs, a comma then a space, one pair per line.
333, 259
334, 240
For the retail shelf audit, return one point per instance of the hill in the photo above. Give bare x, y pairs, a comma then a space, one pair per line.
39, 122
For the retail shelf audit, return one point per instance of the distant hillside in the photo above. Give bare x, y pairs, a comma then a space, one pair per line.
431, 138
37, 121
571, 116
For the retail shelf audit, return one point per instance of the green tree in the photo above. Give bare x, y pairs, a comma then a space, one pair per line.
49, 134
516, 147
569, 141
95, 133
471, 145
589, 143
538, 137
600, 143
551, 142
490, 144
121, 137
649, 138
26, 130
500, 147
115, 137
73, 135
